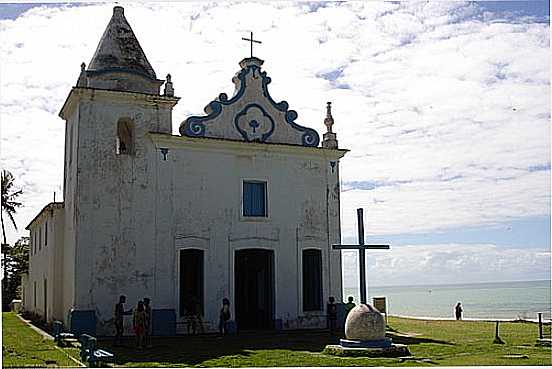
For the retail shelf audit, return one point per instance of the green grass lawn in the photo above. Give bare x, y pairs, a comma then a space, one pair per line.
22, 346
446, 343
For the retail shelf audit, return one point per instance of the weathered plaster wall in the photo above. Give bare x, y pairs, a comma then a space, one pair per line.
56, 275
115, 201
207, 177
128, 215
70, 189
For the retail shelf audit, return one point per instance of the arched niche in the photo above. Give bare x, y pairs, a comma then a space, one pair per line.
125, 136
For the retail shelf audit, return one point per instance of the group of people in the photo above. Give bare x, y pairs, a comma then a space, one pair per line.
141, 321
195, 321
331, 312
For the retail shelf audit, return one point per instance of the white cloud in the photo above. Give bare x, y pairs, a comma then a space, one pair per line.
447, 263
424, 93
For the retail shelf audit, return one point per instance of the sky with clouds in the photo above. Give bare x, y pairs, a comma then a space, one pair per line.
445, 107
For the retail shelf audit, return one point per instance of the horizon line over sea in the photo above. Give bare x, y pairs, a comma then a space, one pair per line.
449, 284
485, 300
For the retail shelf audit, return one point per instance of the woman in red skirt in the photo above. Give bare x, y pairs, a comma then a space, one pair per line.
139, 323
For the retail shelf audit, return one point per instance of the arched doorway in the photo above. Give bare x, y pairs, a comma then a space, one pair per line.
254, 286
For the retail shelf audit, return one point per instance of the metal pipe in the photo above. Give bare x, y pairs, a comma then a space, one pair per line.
361, 256
540, 326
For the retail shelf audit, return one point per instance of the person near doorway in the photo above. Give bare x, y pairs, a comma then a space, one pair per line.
139, 324
458, 311
331, 311
193, 316
119, 320
198, 320
224, 316
147, 327
349, 305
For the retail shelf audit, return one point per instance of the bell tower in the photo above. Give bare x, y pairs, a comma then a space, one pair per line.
110, 173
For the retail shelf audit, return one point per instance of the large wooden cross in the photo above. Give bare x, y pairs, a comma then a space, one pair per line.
361, 247
251, 40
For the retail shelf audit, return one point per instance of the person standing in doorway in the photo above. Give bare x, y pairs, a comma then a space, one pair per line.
331, 311
458, 311
147, 327
119, 320
224, 316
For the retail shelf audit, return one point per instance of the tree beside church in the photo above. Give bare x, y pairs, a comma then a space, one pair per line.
15, 264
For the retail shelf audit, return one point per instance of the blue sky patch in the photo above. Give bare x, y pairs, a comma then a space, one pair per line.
528, 232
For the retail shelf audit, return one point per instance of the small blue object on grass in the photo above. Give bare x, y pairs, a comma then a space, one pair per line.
61, 338
91, 354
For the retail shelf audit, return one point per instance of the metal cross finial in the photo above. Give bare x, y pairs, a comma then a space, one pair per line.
251, 40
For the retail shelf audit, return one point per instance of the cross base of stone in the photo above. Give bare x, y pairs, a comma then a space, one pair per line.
395, 350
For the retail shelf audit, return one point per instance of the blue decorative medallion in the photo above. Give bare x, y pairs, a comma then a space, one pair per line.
254, 123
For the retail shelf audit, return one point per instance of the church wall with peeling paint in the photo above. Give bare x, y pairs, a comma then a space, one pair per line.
129, 209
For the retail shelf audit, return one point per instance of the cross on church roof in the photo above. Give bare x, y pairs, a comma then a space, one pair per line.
251, 40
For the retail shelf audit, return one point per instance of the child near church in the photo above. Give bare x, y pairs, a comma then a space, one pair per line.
139, 323
224, 316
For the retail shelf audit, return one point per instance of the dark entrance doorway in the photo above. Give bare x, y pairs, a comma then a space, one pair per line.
254, 284
191, 282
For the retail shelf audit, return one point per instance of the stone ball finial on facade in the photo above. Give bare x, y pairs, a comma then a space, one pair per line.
82, 82
169, 90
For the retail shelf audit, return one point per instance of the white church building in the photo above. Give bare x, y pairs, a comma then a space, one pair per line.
244, 204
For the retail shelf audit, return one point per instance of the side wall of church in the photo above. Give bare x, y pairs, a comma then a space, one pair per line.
58, 235
42, 291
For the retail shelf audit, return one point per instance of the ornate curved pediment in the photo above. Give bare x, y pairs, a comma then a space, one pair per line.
251, 115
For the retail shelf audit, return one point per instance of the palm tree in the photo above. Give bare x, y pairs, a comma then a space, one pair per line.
9, 197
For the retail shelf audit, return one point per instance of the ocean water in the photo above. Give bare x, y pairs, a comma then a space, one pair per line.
503, 300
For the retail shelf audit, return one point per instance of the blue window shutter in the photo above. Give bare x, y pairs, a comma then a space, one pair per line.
247, 209
254, 199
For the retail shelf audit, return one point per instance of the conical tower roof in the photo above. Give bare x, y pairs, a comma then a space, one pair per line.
119, 50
